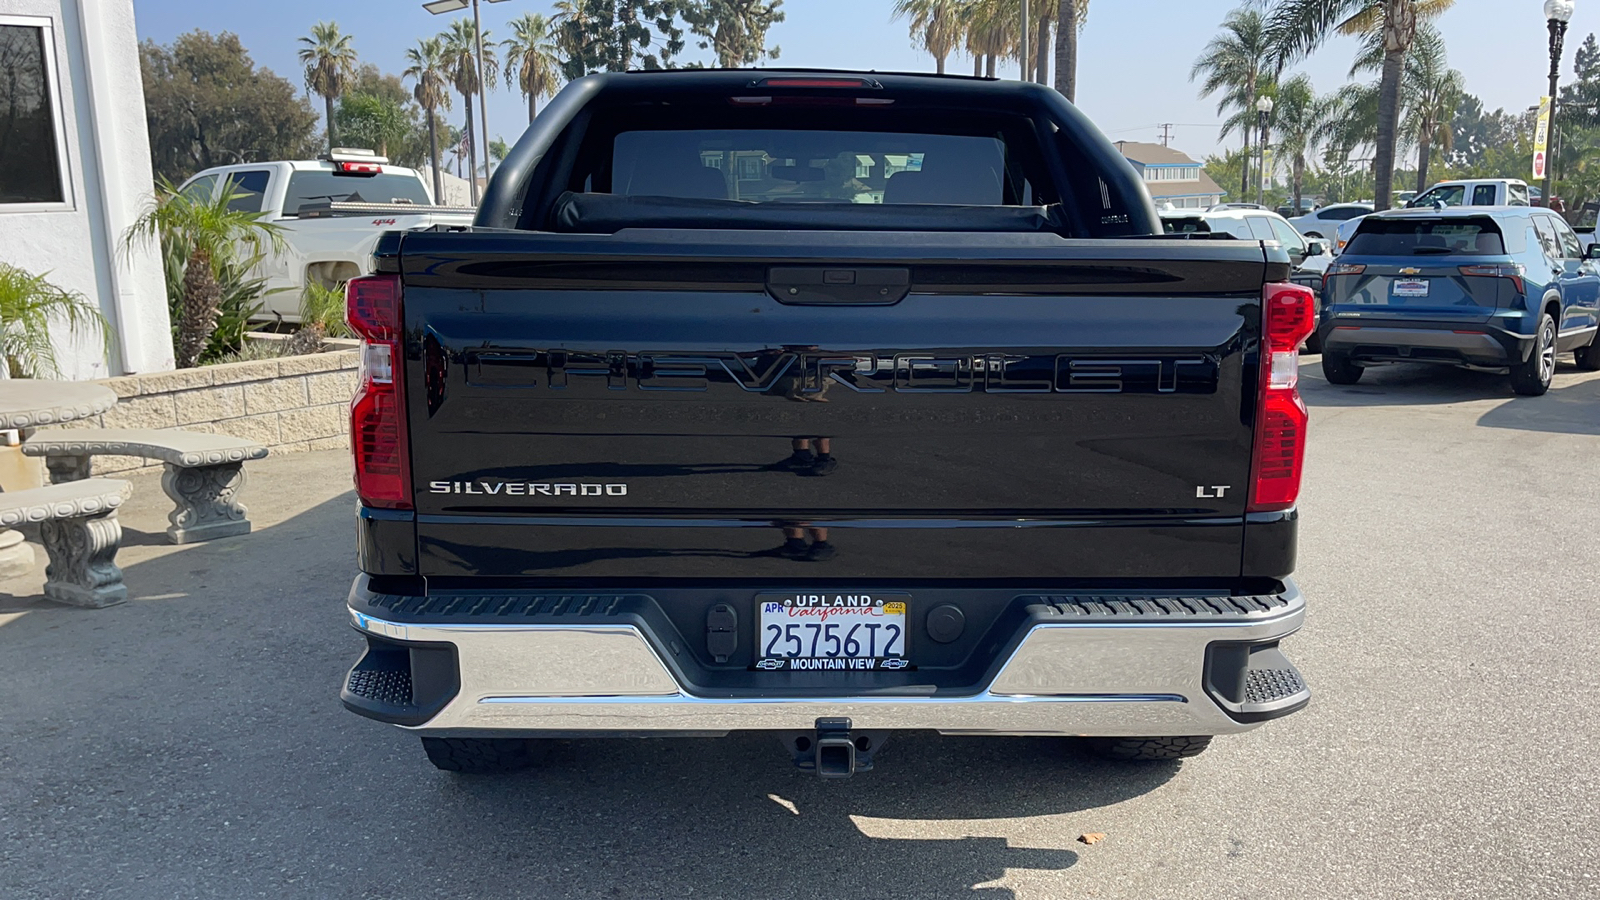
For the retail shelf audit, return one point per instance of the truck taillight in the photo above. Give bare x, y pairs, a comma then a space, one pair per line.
378, 413
1288, 318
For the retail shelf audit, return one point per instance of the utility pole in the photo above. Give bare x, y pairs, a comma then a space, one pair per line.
1166, 134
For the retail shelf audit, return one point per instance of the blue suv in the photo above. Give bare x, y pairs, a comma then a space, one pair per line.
1497, 287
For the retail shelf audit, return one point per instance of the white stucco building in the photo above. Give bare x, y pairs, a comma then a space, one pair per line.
75, 172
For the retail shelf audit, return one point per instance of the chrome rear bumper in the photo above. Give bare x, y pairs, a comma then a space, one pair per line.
1134, 675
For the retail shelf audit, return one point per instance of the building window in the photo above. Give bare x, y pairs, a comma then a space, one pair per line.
32, 153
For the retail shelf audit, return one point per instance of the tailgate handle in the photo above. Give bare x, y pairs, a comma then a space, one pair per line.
838, 285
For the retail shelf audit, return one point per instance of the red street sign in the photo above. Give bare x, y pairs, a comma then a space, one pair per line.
1538, 165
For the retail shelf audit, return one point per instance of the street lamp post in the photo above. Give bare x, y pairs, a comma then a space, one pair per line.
1557, 14
440, 7
1263, 110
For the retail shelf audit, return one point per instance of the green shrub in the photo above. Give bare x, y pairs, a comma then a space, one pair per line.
240, 299
323, 307
29, 305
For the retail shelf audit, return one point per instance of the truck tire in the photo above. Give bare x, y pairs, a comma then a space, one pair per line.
1589, 357
1338, 369
1150, 748
483, 756
1532, 378
1314, 343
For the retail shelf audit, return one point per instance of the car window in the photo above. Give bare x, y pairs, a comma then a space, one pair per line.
1547, 236
1484, 195
200, 188
1343, 213
1475, 236
1260, 228
1448, 194
249, 190
1571, 247
1232, 226
312, 187
1291, 239
1517, 195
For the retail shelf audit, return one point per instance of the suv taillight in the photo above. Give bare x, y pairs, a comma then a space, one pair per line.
1288, 318
378, 413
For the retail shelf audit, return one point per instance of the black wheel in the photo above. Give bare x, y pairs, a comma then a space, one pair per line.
1532, 378
1339, 369
483, 756
1150, 748
1314, 343
1589, 357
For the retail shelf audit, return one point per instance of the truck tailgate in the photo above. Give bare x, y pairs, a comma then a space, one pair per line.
1032, 407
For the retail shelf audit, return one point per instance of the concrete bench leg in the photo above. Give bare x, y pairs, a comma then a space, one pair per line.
83, 569
207, 499
67, 468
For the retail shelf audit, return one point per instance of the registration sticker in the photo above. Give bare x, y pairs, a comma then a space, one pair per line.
1411, 288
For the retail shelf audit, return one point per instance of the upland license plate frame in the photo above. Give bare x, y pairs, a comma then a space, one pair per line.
1411, 288
832, 631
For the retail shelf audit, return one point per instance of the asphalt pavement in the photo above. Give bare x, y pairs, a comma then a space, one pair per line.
190, 743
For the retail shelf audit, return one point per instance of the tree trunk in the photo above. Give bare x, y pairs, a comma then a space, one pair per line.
989, 65
1424, 151
1250, 104
433, 157
1041, 52
201, 293
977, 65
1388, 129
533, 105
1299, 182
472, 152
938, 65
328, 104
1067, 50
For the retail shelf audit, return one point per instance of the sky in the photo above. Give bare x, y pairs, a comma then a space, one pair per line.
1133, 73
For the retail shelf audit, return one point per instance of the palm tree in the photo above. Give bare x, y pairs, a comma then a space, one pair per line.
1302, 121
427, 68
30, 309
461, 64
936, 26
1429, 94
991, 33
532, 60
206, 234
330, 63
1300, 26
1234, 63
1070, 18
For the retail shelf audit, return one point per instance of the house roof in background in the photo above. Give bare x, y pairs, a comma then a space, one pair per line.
1154, 154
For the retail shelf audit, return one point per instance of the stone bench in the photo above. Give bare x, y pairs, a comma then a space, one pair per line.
204, 472
78, 525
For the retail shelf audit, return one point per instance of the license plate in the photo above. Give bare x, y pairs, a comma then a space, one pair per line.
830, 631
1411, 288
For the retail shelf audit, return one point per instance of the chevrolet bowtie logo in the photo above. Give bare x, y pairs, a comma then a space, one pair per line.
1410, 271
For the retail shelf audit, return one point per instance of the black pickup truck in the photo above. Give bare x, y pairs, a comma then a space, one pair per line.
825, 404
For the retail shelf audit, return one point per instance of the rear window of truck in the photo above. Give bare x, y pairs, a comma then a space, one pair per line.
1425, 237
795, 166
312, 187
824, 155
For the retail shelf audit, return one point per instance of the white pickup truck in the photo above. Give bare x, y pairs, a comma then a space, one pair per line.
331, 210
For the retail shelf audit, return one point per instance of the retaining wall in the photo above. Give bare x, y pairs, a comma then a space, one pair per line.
288, 405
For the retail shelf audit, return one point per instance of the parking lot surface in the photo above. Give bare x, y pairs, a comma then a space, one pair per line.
190, 744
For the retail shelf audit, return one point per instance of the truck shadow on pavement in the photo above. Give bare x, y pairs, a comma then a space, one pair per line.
190, 742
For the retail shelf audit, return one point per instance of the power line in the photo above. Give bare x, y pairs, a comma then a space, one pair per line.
1166, 134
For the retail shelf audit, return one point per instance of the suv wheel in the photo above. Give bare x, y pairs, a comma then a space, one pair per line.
484, 756
1532, 378
1589, 357
1150, 748
1339, 369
